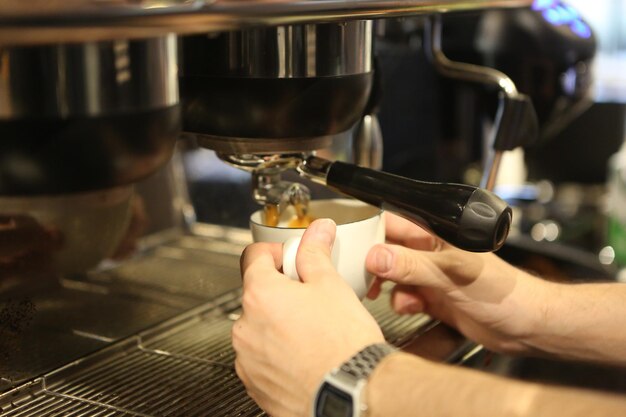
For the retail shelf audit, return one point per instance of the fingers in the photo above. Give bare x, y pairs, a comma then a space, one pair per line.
406, 233
443, 270
375, 289
406, 299
313, 260
260, 260
405, 266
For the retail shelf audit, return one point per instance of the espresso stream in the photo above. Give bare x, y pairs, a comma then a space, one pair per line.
300, 220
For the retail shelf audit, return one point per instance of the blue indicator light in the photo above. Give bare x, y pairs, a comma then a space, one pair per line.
573, 12
566, 16
543, 4
581, 28
552, 16
556, 13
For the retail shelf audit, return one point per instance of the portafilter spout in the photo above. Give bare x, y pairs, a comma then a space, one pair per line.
268, 187
468, 217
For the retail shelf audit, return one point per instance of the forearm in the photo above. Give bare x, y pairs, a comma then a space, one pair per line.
404, 385
586, 321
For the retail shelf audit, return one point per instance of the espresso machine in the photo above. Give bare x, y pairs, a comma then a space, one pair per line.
95, 96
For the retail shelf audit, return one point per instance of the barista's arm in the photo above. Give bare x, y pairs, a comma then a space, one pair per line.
405, 386
584, 321
502, 307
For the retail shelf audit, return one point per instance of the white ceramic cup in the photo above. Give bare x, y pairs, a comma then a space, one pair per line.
359, 228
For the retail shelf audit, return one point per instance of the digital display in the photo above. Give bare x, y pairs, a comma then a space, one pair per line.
333, 403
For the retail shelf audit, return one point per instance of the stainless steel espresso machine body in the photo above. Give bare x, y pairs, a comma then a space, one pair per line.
93, 95
84, 116
259, 97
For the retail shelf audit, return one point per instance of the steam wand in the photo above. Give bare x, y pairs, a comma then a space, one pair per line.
515, 123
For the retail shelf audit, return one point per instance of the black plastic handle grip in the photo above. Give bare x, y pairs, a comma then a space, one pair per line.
467, 217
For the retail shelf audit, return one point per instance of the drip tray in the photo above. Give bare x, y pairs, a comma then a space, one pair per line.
48, 321
148, 337
183, 367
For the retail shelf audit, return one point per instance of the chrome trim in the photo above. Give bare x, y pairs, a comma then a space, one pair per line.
293, 51
315, 169
43, 21
232, 145
88, 79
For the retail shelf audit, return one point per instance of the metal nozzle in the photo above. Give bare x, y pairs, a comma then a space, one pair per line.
314, 168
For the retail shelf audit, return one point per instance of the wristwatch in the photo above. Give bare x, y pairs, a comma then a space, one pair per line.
341, 393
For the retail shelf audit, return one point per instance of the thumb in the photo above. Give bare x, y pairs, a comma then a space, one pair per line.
313, 260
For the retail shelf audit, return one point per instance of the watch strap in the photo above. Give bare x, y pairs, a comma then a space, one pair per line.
363, 363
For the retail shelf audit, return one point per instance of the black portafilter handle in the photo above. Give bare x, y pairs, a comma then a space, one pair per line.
467, 217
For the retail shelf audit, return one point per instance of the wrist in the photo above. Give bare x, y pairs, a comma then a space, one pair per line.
523, 314
395, 383
342, 392
544, 298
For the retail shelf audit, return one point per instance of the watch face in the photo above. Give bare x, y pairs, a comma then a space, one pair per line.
333, 402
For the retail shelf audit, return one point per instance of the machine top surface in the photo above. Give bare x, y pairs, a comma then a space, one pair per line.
45, 21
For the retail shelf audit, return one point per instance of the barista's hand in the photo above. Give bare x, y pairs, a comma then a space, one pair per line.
291, 333
25, 244
484, 297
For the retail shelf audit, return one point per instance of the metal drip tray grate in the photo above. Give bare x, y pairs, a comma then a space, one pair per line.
398, 330
192, 342
148, 383
180, 367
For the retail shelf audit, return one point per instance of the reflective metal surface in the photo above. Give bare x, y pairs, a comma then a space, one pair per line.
368, 143
243, 146
319, 50
44, 21
88, 79
276, 85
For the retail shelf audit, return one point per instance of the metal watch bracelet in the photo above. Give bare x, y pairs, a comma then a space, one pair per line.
341, 393
363, 363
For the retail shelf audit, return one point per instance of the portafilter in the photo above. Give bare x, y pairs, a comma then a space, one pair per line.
465, 216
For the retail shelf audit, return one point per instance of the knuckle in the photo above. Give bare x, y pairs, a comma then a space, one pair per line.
248, 253
404, 266
413, 268
257, 297
249, 299
244, 255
